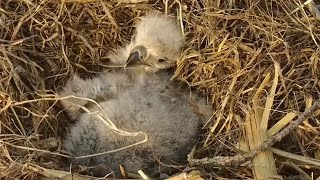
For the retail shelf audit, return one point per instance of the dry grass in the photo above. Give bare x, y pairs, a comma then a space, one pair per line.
232, 50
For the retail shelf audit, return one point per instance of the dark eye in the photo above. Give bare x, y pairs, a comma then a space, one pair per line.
162, 60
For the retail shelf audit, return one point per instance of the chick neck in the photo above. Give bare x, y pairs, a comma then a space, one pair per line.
139, 74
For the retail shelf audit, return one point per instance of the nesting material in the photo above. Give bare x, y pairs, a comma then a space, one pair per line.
232, 47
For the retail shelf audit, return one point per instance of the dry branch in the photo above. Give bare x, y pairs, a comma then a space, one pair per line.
241, 158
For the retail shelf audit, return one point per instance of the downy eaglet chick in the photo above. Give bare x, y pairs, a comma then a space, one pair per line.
135, 100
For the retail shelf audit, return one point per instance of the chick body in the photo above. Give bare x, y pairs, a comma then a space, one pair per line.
171, 127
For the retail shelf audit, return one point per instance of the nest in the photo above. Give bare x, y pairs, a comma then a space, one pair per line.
257, 62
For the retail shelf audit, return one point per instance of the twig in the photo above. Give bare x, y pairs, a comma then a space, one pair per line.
241, 158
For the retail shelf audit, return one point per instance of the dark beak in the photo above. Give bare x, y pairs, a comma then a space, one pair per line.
134, 59
137, 56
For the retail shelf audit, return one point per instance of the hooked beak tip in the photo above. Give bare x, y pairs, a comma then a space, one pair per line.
133, 59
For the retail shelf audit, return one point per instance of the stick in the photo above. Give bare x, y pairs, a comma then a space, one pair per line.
241, 158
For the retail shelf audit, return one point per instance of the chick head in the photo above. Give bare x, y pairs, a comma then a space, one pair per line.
156, 44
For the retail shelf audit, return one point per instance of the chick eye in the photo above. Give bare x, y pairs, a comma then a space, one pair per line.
162, 60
